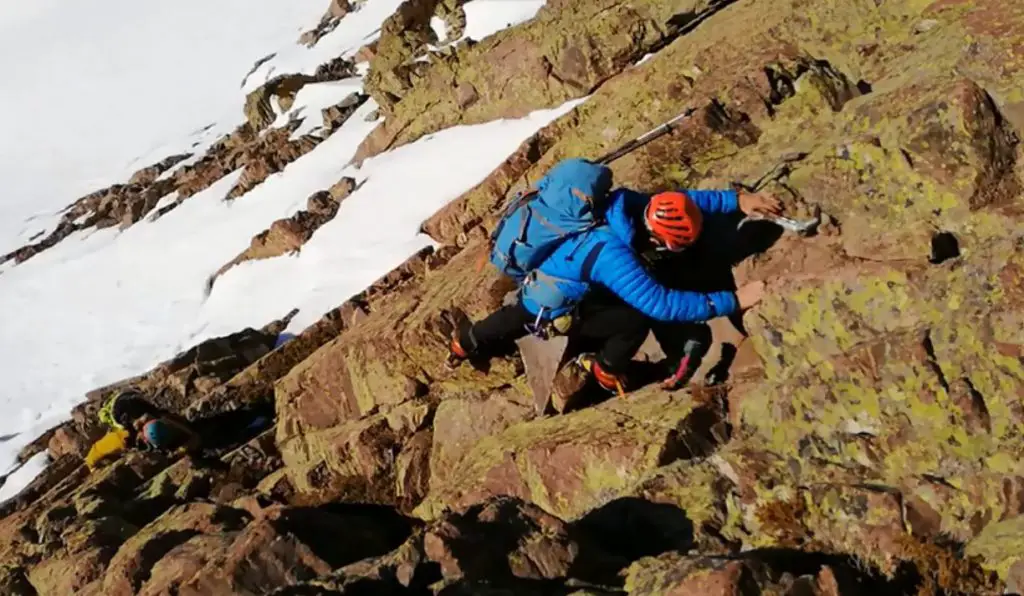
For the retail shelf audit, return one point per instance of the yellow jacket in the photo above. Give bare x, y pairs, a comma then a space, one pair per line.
112, 443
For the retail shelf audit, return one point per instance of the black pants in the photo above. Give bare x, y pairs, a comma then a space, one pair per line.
603, 323
706, 267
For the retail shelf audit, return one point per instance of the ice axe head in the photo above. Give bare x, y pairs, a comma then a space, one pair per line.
692, 347
803, 227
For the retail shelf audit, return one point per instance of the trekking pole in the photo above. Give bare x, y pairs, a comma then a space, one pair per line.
645, 138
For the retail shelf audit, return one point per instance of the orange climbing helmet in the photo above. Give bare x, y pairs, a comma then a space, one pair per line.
674, 220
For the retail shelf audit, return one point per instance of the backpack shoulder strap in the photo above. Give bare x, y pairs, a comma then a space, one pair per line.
588, 262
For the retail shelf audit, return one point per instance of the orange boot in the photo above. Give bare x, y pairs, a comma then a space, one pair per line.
609, 381
460, 326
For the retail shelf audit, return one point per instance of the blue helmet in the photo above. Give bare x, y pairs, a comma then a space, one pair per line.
158, 433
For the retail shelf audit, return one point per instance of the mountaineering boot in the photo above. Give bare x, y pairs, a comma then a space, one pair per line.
456, 353
460, 326
609, 381
683, 373
693, 352
688, 363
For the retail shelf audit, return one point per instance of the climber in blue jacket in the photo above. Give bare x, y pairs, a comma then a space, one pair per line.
603, 264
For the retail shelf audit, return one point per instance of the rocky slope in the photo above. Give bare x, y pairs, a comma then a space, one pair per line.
868, 438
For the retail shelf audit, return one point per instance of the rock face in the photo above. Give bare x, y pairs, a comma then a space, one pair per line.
565, 53
865, 439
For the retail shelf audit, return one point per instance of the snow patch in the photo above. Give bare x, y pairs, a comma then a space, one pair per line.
440, 29
310, 102
487, 17
139, 293
644, 59
165, 201
23, 476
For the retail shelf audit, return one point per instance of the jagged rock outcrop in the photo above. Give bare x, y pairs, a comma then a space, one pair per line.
543, 63
276, 148
869, 445
173, 180
336, 10
276, 96
286, 236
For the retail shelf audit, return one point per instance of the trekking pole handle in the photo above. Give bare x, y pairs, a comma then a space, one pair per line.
645, 138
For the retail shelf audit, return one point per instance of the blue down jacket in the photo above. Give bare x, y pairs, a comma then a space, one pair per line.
605, 256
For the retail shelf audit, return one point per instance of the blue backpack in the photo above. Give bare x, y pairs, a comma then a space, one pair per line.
568, 201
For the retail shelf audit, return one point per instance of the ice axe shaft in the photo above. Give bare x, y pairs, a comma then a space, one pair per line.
645, 138
629, 147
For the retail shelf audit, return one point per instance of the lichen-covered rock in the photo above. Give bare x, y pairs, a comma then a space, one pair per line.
677, 575
1001, 549
875, 422
564, 53
71, 573
131, 566
573, 463
326, 404
459, 424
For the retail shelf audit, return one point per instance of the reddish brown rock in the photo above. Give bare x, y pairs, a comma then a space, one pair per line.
259, 556
149, 174
66, 440
335, 12
281, 89
131, 566
182, 563
270, 155
13, 581
678, 575
340, 190
502, 537
573, 463
412, 470
367, 52
354, 461
205, 365
70, 573
288, 235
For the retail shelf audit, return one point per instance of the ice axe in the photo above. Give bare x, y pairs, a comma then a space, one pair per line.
645, 138
802, 227
655, 133
512, 198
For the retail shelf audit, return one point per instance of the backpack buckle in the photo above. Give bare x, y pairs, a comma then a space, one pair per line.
537, 327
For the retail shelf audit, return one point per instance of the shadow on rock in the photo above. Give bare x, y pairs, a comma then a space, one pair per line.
224, 431
521, 587
629, 529
506, 539
343, 534
849, 575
